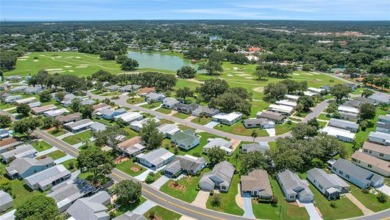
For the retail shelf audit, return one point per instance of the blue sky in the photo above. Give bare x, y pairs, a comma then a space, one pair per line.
55, 10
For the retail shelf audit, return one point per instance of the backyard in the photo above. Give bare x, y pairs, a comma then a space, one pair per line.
78, 138
184, 190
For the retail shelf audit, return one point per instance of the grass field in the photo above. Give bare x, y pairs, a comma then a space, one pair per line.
186, 190
283, 128
135, 100
162, 213
54, 155
151, 105
58, 133
238, 128
164, 110
129, 207
201, 121
369, 200
130, 168
68, 163
181, 115
41, 146
77, 138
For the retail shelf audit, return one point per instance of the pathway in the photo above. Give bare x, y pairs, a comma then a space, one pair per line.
144, 207
46, 152
271, 131
160, 182
142, 176
235, 143
312, 211
201, 199
211, 124
67, 134
384, 189
63, 159
355, 201
190, 118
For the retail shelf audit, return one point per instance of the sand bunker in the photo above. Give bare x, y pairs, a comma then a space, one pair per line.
67, 66
250, 77
258, 89
243, 74
54, 69
296, 74
36, 60
81, 66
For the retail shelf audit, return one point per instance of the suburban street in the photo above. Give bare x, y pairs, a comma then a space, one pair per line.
122, 102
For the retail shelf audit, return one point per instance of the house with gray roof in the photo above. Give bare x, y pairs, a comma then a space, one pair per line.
87, 102
362, 100
129, 216
186, 140
355, 174
21, 151
271, 116
132, 146
353, 103
8, 143
138, 125
186, 108
170, 102
372, 163
376, 150
5, 133
383, 127
69, 118
330, 185
97, 126
66, 193
18, 89
379, 97
168, 130
156, 158
206, 111
349, 116
256, 184
379, 138
68, 99
33, 90
112, 88
218, 142
48, 178
91, 208
155, 97
78, 125
185, 164
294, 188
129, 88
258, 123
343, 124
34, 104
384, 118
24, 167
6, 201
219, 178
11, 98
257, 146
110, 113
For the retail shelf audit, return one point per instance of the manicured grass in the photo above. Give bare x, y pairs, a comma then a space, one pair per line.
54, 155
130, 133
135, 100
104, 121
369, 200
77, 138
41, 146
162, 213
181, 115
165, 121
187, 191
258, 106
344, 207
228, 201
239, 128
68, 163
164, 110
130, 168
323, 117
322, 123
283, 128
201, 121
151, 105
129, 207
282, 210
111, 94
58, 133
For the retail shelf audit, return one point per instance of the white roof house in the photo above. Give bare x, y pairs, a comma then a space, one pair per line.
281, 109
129, 116
292, 97
91, 208
348, 109
138, 125
308, 93
287, 103
227, 118
57, 112
315, 90
26, 100
21, 151
6, 201
341, 134
218, 142
46, 179
379, 138
156, 158
79, 125
168, 129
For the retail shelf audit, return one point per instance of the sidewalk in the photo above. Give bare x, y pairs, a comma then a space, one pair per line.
144, 207
46, 151
201, 199
63, 159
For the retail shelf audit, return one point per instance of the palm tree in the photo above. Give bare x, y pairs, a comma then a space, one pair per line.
254, 135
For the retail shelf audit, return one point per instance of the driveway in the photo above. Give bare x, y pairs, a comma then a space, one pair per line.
142, 176
46, 151
144, 207
201, 199
248, 211
271, 131
160, 182
384, 189
312, 211
211, 124
63, 159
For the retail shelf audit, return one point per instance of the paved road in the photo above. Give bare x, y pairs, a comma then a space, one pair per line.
147, 191
122, 102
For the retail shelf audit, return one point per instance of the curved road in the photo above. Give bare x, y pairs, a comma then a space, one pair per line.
122, 102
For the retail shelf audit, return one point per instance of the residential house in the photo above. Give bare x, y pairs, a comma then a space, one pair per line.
355, 174
5, 133
138, 125
282, 109
256, 184
18, 89
132, 146
129, 117
156, 158
205, 111
286, 103
66, 193
258, 123
379, 138
185, 164
371, 163
110, 113
169, 102
294, 188
97, 126
34, 104
271, 116
26, 100
257, 146
56, 112
186, 108
383, 127
112, 88
293, 98
341, 134
343, 124
42, 109
330, 185
87, 102
219, 178
353, 103
48, 178
91, 208
6, 201
13, 78
380, 97
154, 97
168, 130
353, 86
315, 90
146, 90
227, 118
79, 125
365, 100
129, 88
377, 150
348, 109
185, 140
67, 100
384, 119
33, 90
24, 167
218, 142
130, 216
349, 116
69, 118
8, 143
20, 151
11, 98
100, 106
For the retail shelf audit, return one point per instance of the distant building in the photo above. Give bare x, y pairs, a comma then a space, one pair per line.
376, 150
220, 143
6, 201
227, 118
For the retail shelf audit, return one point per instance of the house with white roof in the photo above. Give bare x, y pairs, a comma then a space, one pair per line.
293, 98
343, 124
42, 109
129, 117
21, 151
227, 118
153, 96
97, 126
168, 130
12, 98
220, 143
78, 125
156, 158
56, 112
283, 109
308, 93
48, 178
6, 201
26, 100
170, 102
379, 97
24, 167
379, 138
348, 109
91, 208
315, 90
138, 125
341, 134
286, 103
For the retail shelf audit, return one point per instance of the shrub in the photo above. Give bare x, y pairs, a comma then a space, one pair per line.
71, 165
289, 122
211, 192
216, 200
196, 154
365, 191
150, 178
333, 205
382, 198
274, 200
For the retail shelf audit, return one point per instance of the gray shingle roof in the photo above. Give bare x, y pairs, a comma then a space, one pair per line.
157, 156
342, 123
21, 165
184, 163
47, 176
353, 170
91, 208
5, 198
223, 171
97, 126
327, 180
292, 183
380, 135
261, 147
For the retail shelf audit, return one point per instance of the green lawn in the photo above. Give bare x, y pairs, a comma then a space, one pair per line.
201, 121
283, 128
68, 163
41, 146
162, 213
129, 207
164, 110
165, 121
369, 200
135, 100
186, 189
151, 105
77, 138
323, 117
228, 201
344, 207
130, 133
130, 168
239, 128
258, 105
181, 115
283, 210
54, 155
58, 133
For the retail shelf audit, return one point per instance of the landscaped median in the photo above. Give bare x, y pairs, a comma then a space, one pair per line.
183, 189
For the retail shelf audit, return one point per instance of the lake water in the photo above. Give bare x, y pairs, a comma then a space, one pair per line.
158, 61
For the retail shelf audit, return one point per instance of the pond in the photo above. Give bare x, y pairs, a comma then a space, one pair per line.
158, 61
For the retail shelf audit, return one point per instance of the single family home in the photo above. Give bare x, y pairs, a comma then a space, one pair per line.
379, 138
185, 164
138, 125
78, 125
91, 208
271, 116
154, 97
205, 111
156, 158
341, 134
168, 130
129, 88
186, 108
377, 150
97, 126
379, 97
383, 127
256, 184
129, 117
257, 146
69, 118
282, 109
227, 118
294, 188
330, 185
220, 143
130, 216
6, 201
48, 178
343, 124
24, 167
8, 144
258, 123
20, 151
42, 109
219, 178
185, 140
110, 113
132, 146
169, 102
371, 163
